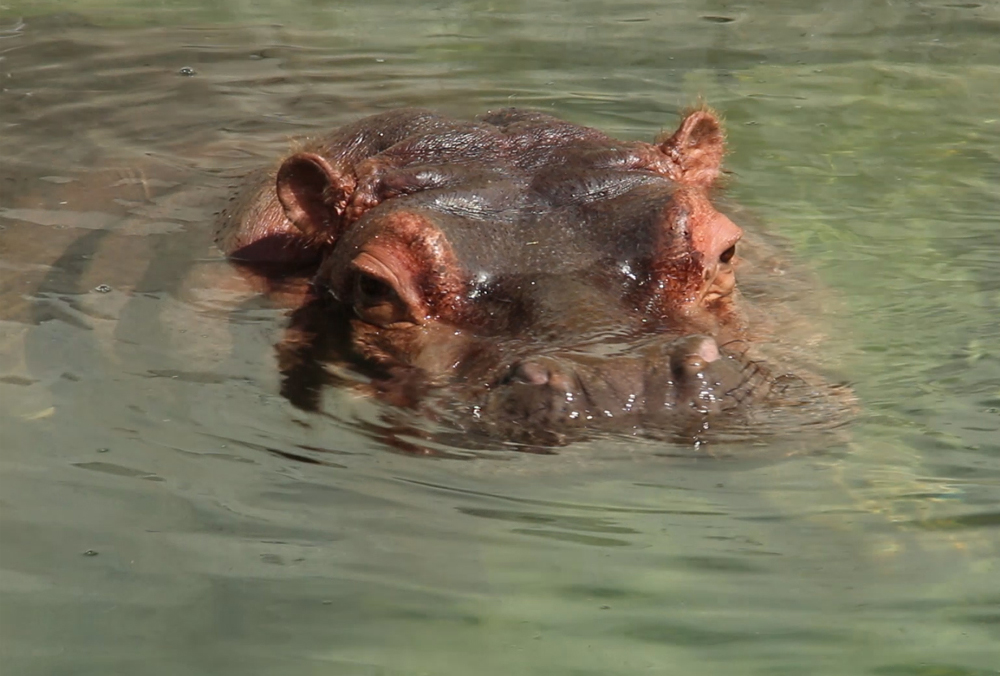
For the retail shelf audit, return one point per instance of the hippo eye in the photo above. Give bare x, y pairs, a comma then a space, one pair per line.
370, 291
377, 301
728, 254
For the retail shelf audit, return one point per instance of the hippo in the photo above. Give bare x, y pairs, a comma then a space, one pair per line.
538, 278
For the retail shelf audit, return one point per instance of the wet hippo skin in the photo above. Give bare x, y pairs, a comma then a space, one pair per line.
541, 277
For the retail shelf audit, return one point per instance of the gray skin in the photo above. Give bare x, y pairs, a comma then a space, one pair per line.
544, 278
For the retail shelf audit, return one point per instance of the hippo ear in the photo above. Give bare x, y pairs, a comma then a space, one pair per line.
314, 194
696, 149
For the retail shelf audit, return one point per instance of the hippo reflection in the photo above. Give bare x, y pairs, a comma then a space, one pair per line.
541, 276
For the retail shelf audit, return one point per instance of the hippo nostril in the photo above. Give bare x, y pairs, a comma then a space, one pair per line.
529, 373
692, 355
707, 349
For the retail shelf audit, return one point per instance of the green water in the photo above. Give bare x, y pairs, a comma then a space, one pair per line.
154, 518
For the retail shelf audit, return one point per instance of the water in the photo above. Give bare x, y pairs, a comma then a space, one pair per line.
165, 510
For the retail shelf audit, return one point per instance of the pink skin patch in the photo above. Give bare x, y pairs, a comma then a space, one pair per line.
716, 236
707, 350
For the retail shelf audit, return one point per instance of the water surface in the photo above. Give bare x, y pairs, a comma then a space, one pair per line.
164, 510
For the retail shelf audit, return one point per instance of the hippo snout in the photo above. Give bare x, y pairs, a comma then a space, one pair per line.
665, 381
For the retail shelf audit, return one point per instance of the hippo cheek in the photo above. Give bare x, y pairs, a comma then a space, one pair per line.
720, 282
433, 349
694, 263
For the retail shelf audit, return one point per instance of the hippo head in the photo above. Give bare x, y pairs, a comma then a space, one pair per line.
544, 276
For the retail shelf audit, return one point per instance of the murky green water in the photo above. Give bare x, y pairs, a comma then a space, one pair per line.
154, 519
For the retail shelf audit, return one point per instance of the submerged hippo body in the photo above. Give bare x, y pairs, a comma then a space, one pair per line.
545, 278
